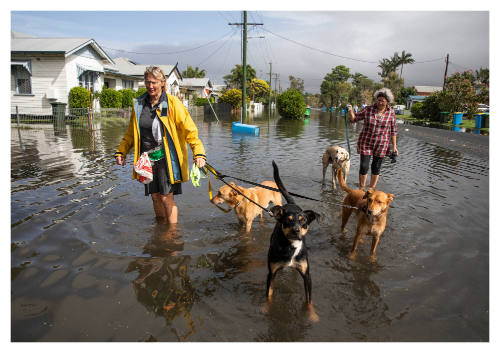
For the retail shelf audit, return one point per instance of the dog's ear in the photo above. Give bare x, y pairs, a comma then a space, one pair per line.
311, 216
277, 211
390, 197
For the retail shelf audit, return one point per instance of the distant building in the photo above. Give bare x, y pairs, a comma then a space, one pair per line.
130, 68
426, 90
201, 87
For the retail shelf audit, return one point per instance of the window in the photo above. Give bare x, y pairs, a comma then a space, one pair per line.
128, 84
22, 77
87, 79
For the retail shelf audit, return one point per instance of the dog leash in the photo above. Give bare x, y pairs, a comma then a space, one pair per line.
222, 176
347, 135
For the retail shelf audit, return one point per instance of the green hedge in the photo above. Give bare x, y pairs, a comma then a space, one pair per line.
109, 98
140, 92
128, 96
199, 102
79, 97
291, 104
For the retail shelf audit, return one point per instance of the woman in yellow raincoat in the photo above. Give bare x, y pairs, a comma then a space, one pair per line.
161, 126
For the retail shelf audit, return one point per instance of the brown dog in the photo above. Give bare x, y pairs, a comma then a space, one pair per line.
338, 157
245, 210
372, 208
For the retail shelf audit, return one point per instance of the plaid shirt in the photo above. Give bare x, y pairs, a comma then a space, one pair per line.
374, 139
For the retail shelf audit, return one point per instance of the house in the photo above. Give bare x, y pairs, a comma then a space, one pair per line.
414, 99
43, 70
427, 90
201, 87
130, 68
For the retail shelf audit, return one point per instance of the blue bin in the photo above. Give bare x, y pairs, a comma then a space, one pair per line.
479, 118
245, 129
457, 118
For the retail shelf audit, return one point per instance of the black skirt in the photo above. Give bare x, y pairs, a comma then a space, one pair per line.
161, 181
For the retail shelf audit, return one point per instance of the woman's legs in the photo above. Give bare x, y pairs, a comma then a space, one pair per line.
364, 165
165, 207
376, 165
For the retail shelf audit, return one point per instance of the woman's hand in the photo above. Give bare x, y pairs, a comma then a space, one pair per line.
395, 149
120, 160
200, 162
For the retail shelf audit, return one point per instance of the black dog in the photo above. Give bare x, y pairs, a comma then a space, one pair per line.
287, 247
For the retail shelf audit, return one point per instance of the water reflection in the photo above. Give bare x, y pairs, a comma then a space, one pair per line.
163, 285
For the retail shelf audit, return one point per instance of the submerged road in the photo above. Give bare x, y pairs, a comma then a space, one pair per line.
464, 142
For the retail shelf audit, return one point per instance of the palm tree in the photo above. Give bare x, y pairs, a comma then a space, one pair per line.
405, 58
386, 65
193, 73
395, 61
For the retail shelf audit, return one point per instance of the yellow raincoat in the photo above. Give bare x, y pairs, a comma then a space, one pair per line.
178, 131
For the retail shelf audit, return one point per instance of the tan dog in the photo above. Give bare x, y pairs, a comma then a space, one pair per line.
338, 157
373, 206
245, 210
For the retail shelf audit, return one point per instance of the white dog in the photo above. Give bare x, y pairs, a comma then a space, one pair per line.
339, 158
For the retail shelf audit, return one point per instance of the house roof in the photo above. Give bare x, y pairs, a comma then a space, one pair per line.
429, 89
196, 82
66, 46
416, 98
128, 67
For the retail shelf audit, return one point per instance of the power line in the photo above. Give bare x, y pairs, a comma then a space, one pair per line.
216, 50
341, 56
174, 52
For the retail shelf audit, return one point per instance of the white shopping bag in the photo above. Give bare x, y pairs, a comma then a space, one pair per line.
144, 168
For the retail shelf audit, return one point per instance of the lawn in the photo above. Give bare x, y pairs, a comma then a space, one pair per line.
466, 123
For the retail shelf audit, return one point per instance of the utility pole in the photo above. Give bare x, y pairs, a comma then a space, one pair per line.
244, 41
270, 88
446, 70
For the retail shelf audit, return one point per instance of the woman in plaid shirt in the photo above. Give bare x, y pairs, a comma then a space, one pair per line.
379, 130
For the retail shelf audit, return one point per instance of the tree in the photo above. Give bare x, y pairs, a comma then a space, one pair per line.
386, 66
258, 89
362, 88
193, 73
233, 96
395, 61
459, 95
291, 104
335, 85
235, 78
404, 93
296, 83
393, 82
405, 58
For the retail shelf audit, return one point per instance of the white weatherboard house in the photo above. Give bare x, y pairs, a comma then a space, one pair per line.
132, 69
43, 70
201, 86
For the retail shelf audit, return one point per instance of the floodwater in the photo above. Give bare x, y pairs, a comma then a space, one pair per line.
89, 262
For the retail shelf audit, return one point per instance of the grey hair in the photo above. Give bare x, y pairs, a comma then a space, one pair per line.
157, 73
386, 93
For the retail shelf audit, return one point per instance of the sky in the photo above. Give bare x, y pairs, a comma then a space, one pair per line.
305, 44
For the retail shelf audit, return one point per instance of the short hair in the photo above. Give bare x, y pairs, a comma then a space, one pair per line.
157, 73
386, 93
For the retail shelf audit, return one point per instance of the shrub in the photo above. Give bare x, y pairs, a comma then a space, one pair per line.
127, 97
291, 104
199, 102
233, 97
110, 98
79, 97
416, 110
140, 92
430, 107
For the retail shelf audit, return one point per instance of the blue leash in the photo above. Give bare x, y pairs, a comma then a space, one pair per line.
347, 134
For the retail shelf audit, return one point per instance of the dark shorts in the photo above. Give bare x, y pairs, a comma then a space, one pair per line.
161, 181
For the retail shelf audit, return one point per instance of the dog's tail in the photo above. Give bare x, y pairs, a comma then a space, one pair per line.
343, 185
280, 185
